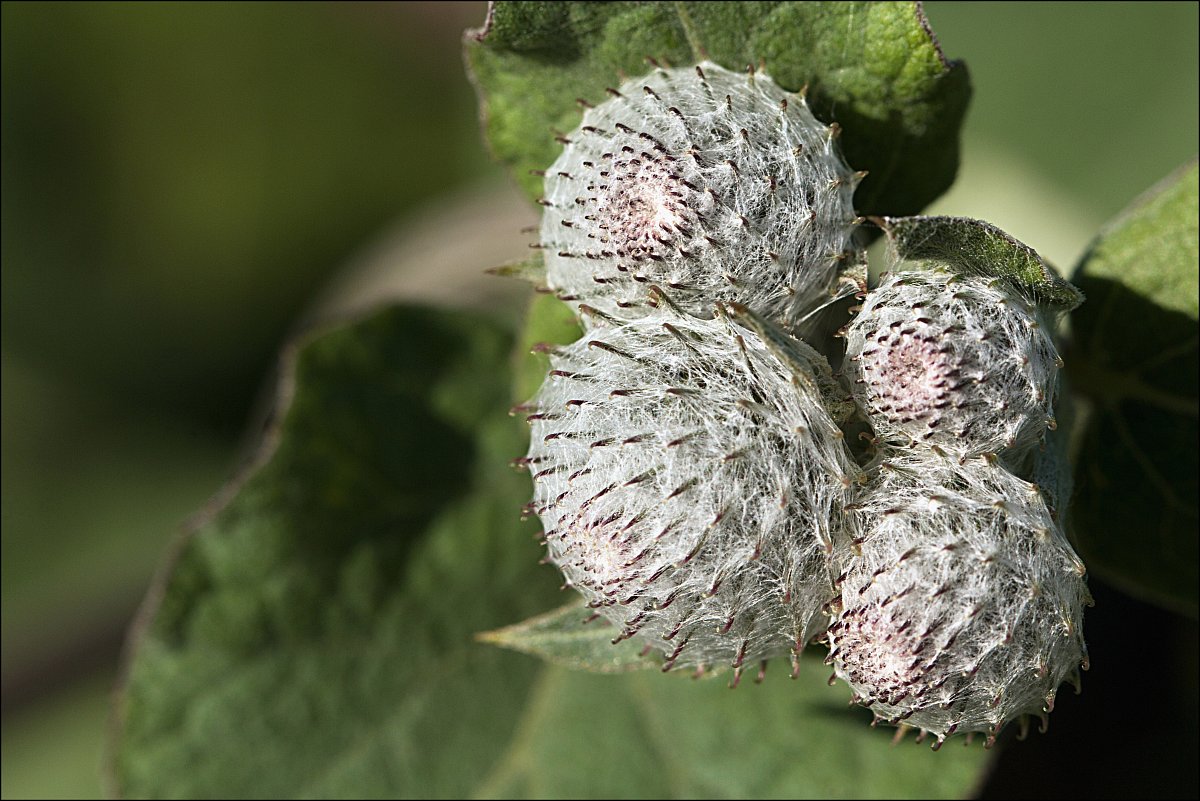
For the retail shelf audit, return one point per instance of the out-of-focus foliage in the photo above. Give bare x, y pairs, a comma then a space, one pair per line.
180, 178
1098, 101
178, 181
321, 621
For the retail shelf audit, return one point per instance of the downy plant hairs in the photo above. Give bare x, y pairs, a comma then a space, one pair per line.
961, 362
690, 465
712, 185
960, 600
688, 475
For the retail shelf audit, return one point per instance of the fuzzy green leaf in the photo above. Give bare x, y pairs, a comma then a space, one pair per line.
1134, 356
314, 635
650, 735
875, 68
974, 247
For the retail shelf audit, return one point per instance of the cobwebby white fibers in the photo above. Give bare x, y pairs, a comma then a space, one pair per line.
715, 185
961, 362
961, 602
686, 474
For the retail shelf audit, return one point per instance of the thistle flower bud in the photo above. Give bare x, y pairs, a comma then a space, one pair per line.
961, 602
686, 473
715, 185
963, 363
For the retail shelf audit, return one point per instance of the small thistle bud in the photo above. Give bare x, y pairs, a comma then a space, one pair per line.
716, 185
960, 362
961, 603
686, 473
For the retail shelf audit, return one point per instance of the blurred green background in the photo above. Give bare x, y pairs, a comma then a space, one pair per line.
180, 181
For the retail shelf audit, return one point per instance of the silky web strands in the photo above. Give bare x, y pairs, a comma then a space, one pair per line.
960, 601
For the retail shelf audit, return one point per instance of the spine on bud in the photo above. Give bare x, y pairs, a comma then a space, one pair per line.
688, 464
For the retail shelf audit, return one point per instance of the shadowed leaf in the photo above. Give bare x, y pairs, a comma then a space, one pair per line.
314, 634
650, 735
1133, 356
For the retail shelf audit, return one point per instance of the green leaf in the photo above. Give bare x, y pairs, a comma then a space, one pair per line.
1133, 356
574, 637
875, 68
974, 247
314, 635
650, 735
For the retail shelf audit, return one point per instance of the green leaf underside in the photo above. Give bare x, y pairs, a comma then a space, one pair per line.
875, 68
1134, 355
974, 247
316, 635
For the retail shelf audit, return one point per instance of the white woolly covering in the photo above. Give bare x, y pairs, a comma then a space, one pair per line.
686, 474
716, 185
961, 602
689, 471
961, 362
